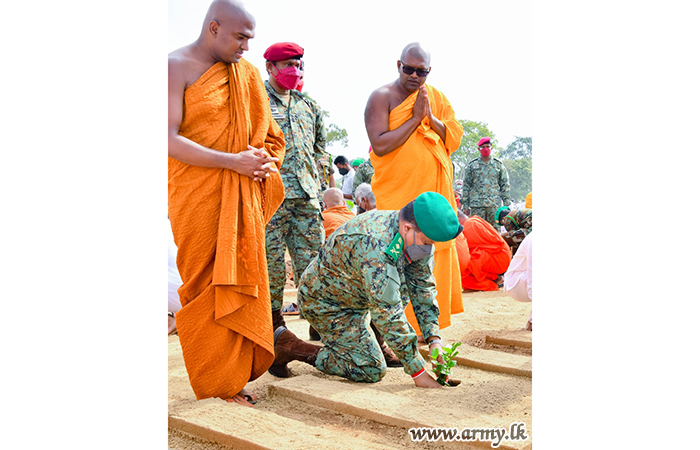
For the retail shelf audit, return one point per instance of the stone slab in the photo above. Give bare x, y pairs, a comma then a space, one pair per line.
491, 360
403, 405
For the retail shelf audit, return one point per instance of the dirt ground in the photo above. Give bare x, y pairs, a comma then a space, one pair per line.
485, 398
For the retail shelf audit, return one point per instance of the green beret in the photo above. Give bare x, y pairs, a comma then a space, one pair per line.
435, 217
357, 162
500, 213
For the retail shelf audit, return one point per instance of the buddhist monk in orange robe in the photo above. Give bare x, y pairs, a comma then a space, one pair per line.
488, 256
336, 211
413, 130
224, 152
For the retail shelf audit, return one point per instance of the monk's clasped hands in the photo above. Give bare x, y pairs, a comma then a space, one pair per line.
256, 163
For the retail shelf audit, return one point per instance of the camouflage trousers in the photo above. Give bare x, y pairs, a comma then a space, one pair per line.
487, 213
350, 349
297, 227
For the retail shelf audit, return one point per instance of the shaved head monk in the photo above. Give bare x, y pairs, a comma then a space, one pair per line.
335, 211
224, 152
413, 130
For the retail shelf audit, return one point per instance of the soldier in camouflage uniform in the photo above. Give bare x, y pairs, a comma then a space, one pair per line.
363, 174
518, 224
369, 268
296, 225
486, 183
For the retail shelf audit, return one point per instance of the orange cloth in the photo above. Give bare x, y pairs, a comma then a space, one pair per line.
336, 216
218, 219
528, 201
489, 255
423, 164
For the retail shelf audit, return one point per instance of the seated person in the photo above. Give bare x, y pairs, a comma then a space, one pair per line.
518, 279
364, 198
518, 224
489, 254
336, 211
369, 269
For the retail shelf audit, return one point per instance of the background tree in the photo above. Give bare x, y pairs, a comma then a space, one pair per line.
521, 147
468, 149
517, 158
520, 175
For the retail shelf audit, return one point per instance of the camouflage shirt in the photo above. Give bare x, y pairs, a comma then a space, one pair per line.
484, 183
361, 266
363, 174
301, 122
521, 219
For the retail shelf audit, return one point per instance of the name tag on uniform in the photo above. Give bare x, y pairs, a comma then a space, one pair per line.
276, 114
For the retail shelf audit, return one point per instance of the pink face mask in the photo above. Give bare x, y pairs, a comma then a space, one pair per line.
485, 151
300, 85
288, 78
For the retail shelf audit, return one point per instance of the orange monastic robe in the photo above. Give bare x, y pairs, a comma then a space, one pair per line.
218, 219
334, 217
489, 255
423, 164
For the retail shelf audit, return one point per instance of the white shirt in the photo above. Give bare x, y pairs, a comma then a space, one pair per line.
520, 268
348, 178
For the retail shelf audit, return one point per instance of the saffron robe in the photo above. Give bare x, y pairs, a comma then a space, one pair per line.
489, 255
335, 216
218, 219
423, 164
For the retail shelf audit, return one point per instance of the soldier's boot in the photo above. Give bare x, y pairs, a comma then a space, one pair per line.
288, 348
389, 356
277, 319
313, 334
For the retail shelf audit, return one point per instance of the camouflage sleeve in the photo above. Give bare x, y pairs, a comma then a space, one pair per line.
358, 179
382, 281
504, 182
421, 290
320, 142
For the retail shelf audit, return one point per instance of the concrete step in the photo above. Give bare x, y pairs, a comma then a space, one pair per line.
474, 404
491, 360
246, 428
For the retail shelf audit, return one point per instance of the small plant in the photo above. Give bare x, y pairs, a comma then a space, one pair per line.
443, 371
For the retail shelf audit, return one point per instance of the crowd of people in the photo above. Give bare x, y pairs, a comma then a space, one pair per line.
249, 179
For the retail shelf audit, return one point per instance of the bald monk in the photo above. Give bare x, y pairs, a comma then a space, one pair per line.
413, 130
224, 152
336, 212
489, 254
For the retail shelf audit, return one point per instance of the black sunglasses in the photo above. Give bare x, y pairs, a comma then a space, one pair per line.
408, 70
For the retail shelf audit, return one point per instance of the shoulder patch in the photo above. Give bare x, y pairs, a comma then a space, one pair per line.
394, 249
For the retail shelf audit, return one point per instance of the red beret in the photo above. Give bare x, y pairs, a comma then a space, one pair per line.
282, 50
482, 141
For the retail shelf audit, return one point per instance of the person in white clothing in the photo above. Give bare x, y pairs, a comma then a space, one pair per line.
518, 278
348, 173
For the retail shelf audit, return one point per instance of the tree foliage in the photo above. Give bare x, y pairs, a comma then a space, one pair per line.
521, 147
520, 175
468, 149
336, 134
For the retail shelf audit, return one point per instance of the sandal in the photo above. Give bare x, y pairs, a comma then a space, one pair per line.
290, 310
249, 395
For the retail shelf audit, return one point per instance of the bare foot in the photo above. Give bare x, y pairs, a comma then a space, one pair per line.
240, 400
